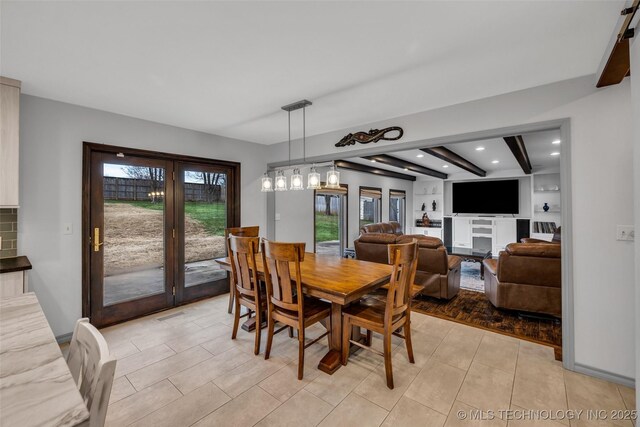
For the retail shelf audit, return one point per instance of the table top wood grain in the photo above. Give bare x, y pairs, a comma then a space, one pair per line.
335, 279
36, 387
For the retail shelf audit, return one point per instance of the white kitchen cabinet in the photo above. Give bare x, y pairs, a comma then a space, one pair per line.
12, 284
9, 141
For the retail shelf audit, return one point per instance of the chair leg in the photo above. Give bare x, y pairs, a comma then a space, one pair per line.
231, 295
346, 332
387, 359
407, 341
290, 331
301, 352
369, 338
236, 319
270, 328
256, 349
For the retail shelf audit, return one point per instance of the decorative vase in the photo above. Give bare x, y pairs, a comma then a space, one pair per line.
545, 207
433, 205
424, 207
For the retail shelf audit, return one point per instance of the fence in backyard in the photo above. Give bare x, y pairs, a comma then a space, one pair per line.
138, 190
321, 204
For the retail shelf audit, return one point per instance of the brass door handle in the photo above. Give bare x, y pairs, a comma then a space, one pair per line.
96, 240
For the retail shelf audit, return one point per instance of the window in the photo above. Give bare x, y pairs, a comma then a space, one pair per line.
397, 206
370, 205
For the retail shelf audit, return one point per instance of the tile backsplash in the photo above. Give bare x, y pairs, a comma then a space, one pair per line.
9, 232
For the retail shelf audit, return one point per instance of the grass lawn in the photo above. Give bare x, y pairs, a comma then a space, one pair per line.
326, 227
213, 216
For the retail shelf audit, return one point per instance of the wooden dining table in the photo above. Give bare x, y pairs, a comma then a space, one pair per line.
36, 386
340, 281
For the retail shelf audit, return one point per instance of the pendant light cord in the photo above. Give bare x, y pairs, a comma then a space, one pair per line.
289, 118
304, 134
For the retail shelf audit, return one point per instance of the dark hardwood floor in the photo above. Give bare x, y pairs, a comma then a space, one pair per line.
474, 309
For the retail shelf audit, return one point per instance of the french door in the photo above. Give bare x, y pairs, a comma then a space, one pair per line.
330, 221
153, 223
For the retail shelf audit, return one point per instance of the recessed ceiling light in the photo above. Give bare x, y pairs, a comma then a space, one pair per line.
479, 148
420, 155
556, 142
406, 169
445, 166
555, 153
373, 161
495, 161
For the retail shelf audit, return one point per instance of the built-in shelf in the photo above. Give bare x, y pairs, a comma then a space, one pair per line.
549, 211
429, 194
546, 191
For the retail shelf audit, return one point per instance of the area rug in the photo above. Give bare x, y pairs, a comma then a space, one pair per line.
474, 309
470, 278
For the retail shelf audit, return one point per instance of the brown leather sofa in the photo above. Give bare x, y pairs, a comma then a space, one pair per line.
525, 277
438, 272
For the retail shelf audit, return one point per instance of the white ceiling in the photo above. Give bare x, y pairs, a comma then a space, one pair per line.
539, 147
227, 67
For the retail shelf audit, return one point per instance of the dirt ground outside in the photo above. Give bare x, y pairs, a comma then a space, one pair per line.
133, 239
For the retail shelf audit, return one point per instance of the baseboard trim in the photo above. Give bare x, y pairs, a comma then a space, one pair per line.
64, 338
604, 375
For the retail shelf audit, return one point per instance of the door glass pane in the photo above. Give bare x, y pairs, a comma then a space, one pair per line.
205, 218
133, 234
327, 224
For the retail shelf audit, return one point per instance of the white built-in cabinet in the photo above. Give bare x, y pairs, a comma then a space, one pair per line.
462, 232
9, 141
482, 233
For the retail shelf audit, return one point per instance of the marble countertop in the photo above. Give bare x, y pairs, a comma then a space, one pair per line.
36, 387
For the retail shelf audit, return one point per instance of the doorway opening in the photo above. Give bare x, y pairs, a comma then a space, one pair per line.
330, 221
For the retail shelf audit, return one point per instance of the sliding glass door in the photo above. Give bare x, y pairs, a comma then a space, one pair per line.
153, 223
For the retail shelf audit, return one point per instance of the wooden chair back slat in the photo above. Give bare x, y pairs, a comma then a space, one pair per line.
404, 258
284, 290
243, 252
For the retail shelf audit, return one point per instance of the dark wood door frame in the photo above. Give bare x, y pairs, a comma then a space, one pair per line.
90, 149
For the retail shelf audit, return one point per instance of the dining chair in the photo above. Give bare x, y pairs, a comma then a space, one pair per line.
251, 231
248, 292
92, 368
387, 316
287, 303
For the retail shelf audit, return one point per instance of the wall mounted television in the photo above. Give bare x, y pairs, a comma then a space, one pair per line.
486, 197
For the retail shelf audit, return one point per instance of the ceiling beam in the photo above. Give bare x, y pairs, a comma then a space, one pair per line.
449, 156
344, 164
385, 159
618, 65
516, 145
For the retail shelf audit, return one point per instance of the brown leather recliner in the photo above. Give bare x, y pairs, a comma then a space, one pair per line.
438, 272
526, 277
391, 227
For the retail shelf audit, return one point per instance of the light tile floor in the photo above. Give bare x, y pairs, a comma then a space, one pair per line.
185, 370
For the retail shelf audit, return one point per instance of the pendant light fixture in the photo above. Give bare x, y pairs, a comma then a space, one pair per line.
297, 180
267, 183
333, 178
281, 181
313, 180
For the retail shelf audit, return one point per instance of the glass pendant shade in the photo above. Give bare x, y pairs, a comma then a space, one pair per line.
281, 181
313, 180
267, 184
297, 182
333, 178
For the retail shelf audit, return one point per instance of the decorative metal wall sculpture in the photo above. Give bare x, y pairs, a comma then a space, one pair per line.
374, 135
